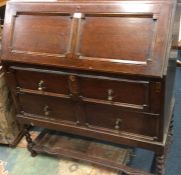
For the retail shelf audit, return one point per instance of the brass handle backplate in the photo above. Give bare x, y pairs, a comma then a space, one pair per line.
46, 110
41, 85
77, 122
110, 94
118, 124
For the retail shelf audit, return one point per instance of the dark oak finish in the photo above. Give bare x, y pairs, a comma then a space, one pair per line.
46, 107
121, 121
101, 69
68, 44
116, 90
42, 81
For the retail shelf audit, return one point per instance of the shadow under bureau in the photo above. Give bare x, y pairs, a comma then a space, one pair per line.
100, 69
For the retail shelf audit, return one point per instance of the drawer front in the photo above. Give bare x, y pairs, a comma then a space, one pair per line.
131, 94
51, 108
41, 80
126, 93
110, 119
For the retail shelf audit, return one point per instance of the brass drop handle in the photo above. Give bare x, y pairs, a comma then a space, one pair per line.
46, 110
110, 94
118, 123
41, 85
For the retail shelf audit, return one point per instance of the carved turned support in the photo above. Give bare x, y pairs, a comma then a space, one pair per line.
171, 126
160, 165
159, 161
30, 142
170, 135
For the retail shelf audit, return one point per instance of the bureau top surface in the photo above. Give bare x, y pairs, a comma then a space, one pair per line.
123, 37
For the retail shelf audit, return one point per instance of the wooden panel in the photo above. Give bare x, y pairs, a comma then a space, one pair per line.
104, 118
41, 33
129, 38
48, 108
121, 41
123, 38
41, 80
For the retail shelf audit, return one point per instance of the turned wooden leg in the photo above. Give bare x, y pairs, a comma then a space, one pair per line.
159, 162
171, 127
160, 165
30, 143
170, 136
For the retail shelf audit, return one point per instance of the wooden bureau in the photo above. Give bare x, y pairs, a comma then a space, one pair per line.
100, 69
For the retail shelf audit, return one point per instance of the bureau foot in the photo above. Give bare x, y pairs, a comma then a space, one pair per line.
169, 139
30, 143
170, 132
160, 165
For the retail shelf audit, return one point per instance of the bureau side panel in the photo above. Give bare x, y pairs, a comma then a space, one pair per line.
170, 68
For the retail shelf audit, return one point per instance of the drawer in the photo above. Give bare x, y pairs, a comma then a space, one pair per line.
137, 95
112, 119
41, 80
123, 92
51, 108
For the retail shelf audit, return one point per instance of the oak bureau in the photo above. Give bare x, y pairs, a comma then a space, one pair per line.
102, 69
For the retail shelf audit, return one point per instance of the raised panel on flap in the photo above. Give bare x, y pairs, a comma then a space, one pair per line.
41, 33
126, 38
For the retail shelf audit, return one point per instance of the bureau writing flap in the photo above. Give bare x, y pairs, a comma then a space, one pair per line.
120, 38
